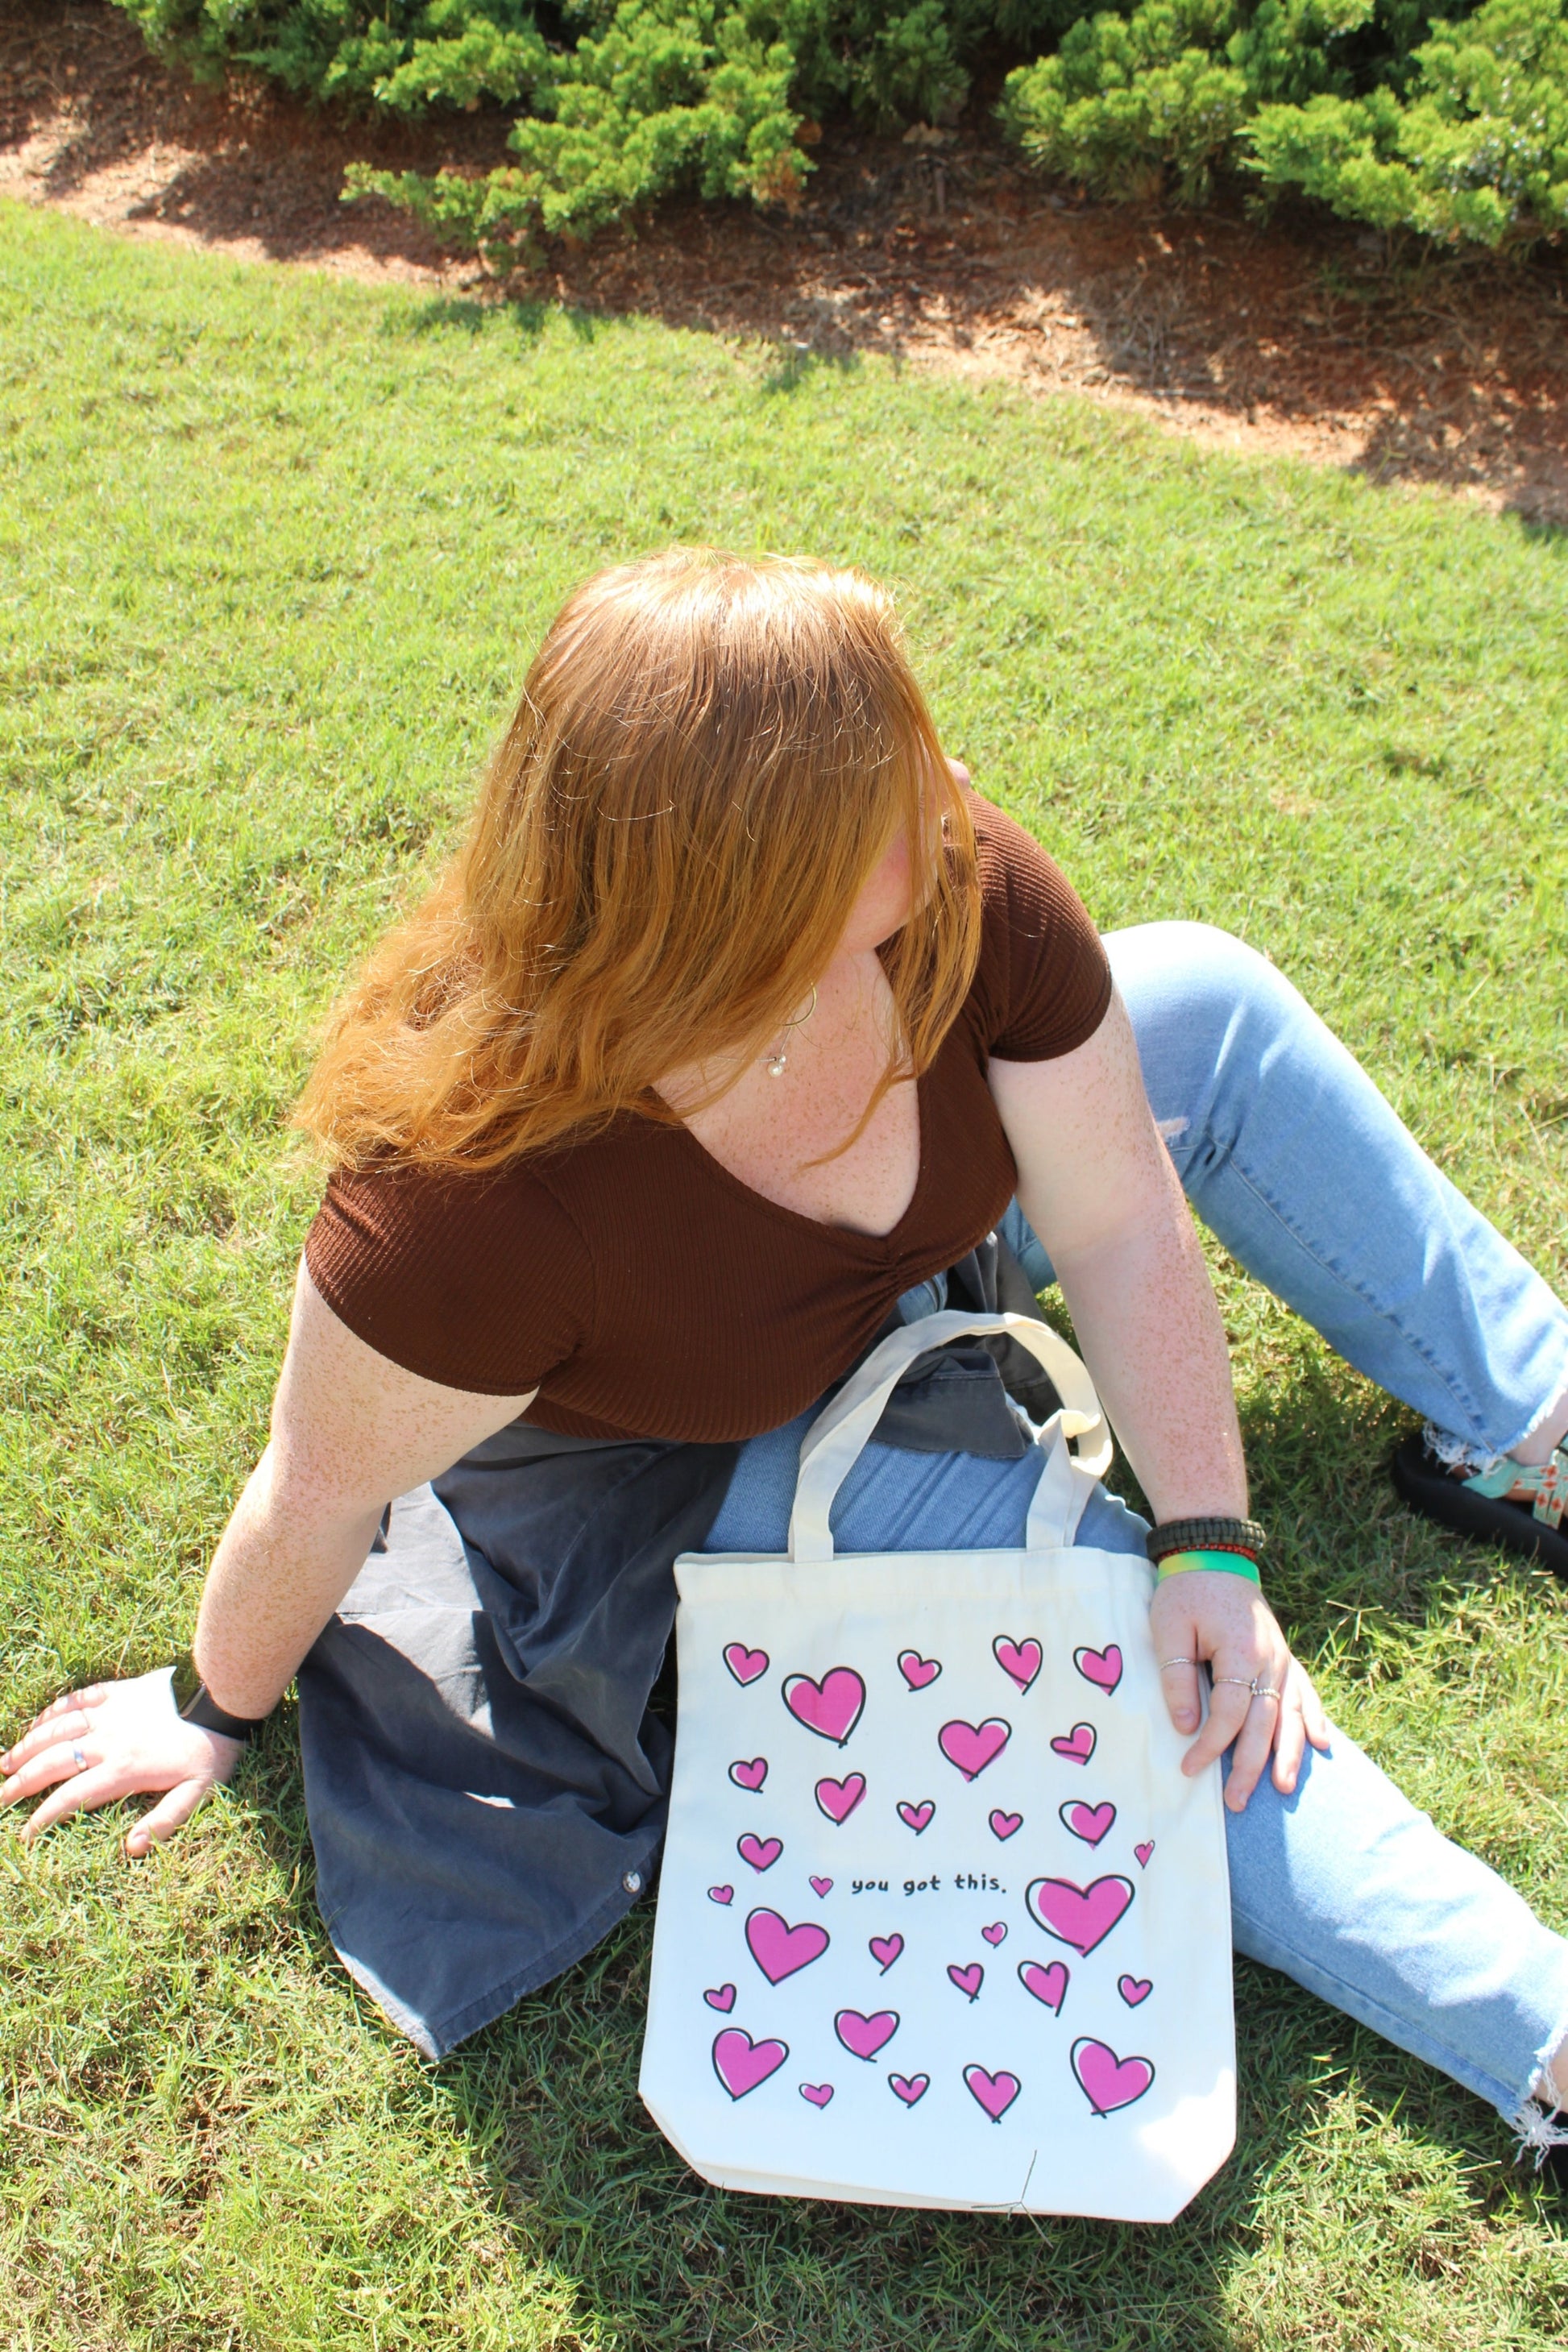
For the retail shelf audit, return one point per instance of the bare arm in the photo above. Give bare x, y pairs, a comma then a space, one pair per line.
350, 1432
1097, 1185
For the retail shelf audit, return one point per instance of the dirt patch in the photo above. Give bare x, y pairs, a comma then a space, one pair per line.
941, 251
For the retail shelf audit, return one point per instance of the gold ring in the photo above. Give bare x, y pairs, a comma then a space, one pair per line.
1176, 1662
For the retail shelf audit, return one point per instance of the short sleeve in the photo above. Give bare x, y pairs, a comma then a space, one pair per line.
1043, 985
480, 1282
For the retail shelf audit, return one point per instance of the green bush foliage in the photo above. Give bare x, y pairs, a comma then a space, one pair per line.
1453, 126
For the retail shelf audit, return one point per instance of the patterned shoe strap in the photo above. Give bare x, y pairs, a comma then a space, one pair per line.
1543, 1485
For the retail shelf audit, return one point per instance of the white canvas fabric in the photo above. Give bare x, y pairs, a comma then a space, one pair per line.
940, 1921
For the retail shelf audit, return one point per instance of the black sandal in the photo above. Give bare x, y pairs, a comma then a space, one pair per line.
1456, 1501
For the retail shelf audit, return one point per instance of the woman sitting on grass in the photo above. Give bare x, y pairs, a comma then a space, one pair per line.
741, 1029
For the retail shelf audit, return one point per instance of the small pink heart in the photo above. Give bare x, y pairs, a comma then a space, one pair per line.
780, 1949
1075, 1746
745, 1664
1107, 2081
742, 2064
838, 1799
994, 2093
721, 1895
996, 1932
822, 1885
1090, 1822
972, 1745
864, 2036
918, 1671
916, 1817
1080, 1915
1143, 1852
885, 1951
910, 2088
760, 1852
1134, 1988
721, 1997
1005, 1825
831, 1708
968, 1981
1047, 1985
1019, 1661
751, 1775
817, 2093
1101, 1667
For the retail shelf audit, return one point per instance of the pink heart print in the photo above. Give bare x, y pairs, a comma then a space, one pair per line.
1090, 1822
885, 1951
1020, 1661
1143, 1852
994, 2093
1075, 1746
1101, 1667
1134, 1988
968, 1981
822, 1887
751, 1775
760, 1852
916, 1817
745, 1664
831, 1708
742, 2064
1107, 2081
817, 2093
779, 1949
838, 1799
972, 1745
910, 2088
721, 1895
996, 1932
1047, 1985
864, 2036
721, 1997
918, 1672
1005, 1825
1080, 1915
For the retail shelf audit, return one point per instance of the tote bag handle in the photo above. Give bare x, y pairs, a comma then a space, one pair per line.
834, 1443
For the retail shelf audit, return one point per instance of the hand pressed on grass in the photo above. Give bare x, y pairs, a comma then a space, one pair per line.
1225, 1624
113, 1740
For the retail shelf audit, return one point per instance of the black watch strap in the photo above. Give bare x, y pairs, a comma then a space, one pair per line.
1206, 1535
202, 1709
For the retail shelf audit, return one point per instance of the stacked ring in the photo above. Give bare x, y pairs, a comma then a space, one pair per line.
79, 1759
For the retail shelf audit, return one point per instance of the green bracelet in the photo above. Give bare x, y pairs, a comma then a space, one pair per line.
1223, 1563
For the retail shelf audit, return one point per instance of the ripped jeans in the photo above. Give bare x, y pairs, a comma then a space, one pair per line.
1292, 1157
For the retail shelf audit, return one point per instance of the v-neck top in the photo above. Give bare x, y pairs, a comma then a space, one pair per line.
643, 1289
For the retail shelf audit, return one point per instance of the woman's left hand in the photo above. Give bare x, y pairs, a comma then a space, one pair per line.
1224, 1622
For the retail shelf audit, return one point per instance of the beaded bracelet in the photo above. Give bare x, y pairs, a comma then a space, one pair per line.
1225, 1563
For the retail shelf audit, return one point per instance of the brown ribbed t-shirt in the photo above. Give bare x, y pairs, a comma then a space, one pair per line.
647, 1292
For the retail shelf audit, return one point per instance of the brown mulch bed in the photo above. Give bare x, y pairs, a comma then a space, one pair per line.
941, 250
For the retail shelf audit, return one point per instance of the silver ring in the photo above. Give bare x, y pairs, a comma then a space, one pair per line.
79, 1759
1264, 1690
1176, 1662
1242, 1682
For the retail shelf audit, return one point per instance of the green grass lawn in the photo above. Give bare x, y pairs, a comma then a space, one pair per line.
276, 550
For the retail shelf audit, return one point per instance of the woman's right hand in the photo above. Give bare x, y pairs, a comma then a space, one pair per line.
113, 1740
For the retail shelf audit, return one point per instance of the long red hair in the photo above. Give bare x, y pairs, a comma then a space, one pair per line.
708, 758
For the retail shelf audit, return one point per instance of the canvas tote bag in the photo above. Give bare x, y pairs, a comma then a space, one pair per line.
941, 1922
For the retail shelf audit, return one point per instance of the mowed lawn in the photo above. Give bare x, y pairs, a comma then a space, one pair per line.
274, 552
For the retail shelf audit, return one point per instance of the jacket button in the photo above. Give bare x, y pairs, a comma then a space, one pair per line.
631, 1881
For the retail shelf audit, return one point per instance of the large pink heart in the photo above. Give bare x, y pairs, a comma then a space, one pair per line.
864, 2036
1107, 2081
831, 1708
1101, 1667
760, 1852
968, 1981
973, 1746
918, 1671
780, 1949
751, 1775
742, 2064
1047, 1984
994, 2093
1018, 1660
838, 1799
744, 1663
1077, 1745
1090, 1822
885, 1951
1080, 1915
916, 1817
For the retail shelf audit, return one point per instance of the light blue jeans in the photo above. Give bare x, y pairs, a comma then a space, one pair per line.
1292, 1157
